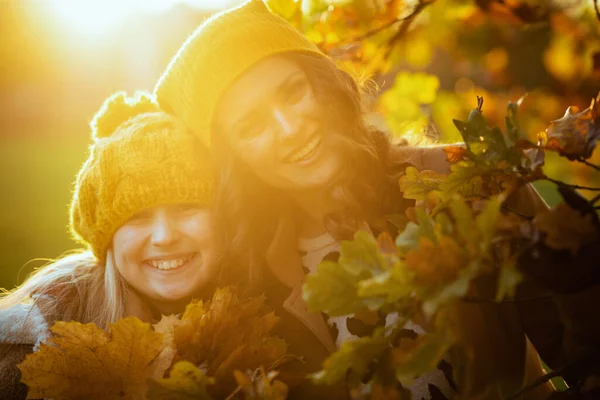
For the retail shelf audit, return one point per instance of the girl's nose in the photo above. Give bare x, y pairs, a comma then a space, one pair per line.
164, 230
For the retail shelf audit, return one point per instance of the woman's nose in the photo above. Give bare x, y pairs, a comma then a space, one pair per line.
164, 230
286, 121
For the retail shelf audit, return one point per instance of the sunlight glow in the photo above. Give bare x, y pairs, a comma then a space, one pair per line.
94, 17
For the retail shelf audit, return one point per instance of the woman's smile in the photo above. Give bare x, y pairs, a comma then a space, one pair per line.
306, 153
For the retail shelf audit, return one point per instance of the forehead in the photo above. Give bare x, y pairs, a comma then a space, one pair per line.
263, 77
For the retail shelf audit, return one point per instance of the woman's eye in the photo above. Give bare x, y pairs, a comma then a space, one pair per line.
250, 131
296, 92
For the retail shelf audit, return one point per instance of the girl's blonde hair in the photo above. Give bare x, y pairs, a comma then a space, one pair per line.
75, 287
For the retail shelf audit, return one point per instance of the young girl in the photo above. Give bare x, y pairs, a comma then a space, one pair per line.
139, 206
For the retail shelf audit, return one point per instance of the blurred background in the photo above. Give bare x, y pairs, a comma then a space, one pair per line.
59, 59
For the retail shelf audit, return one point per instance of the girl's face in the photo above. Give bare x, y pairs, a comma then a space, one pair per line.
166, 252
273, 122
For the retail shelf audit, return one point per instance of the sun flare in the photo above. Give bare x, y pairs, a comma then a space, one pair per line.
94, 17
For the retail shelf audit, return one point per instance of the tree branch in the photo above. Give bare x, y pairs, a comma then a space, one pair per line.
572, 186
596, 8
406, 22
581, 160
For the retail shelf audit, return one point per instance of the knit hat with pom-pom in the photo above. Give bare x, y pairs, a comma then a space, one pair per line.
140, 158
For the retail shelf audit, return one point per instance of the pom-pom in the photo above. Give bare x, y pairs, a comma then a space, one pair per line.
119, 108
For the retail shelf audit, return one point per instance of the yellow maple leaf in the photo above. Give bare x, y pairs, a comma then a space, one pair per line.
83, 361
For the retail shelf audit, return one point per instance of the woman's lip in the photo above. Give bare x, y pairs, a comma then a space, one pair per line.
313, 152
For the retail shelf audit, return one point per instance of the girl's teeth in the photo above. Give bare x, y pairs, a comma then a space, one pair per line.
169, 264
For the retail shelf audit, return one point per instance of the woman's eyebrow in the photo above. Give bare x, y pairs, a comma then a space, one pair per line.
286, 82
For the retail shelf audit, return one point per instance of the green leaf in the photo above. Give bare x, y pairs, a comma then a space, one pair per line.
513, 128
425, 224
361, 256
454, 290
417, 185
487, 221
185, 382
423, 355
465, 179
463, 219
508, 280
332, 289
391, 285
352, 360
408, 239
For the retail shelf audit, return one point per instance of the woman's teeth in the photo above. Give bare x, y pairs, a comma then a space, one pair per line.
170, 264
306, 151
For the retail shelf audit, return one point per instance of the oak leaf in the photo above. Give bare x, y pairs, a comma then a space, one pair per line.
575, 134
83, 361
185, 382
566, 228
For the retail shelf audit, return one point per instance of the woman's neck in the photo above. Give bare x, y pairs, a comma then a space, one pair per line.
314, 207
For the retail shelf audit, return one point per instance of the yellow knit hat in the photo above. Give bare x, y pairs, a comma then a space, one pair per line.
219, 51
140, 158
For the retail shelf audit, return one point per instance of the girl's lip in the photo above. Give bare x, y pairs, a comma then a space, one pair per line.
180, 268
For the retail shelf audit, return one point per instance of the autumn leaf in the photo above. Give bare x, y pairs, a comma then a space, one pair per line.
576, 133
83, 361
261, 385
227, 334
185, 382
417, 184
353, 358
332, 289
455, 154
362, 255
435, 265
566, 228
465, 178
392, 285
414, 357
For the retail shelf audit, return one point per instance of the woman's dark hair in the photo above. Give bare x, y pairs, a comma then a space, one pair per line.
248, 210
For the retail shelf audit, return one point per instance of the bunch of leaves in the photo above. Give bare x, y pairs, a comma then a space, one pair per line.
192, 357
85, 362
224, 335
463, 227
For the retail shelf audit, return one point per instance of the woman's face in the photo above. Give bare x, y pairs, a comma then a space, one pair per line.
274, 123
166, 252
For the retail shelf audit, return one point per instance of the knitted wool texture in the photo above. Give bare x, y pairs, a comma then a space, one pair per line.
140, 158
221, 49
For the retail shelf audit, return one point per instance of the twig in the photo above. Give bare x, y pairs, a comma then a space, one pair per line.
471, 299
406, 22
581, 160
375, 31
234, 393
517, 213
595, 199
572, 186
539, 381
596, 8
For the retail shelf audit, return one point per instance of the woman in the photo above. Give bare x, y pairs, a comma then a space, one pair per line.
300, 171
139, 206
